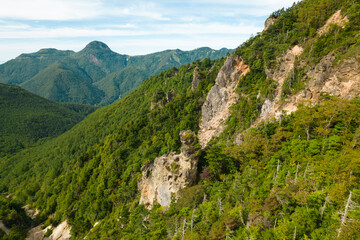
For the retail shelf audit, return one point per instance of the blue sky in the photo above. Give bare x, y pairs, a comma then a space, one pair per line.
130, 27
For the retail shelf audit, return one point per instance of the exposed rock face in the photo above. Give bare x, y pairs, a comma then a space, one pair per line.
61, 232
156, 104
30, 212
336, 19
270, 21
341, 81
170, 95
222, 95
163, 178
37, 233
273, 108
196, 80
4, 228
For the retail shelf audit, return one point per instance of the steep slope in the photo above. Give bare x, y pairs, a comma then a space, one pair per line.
127, 132
216, 109
97, 60
121, 83
64, 81
139, 68
26, 118
295, 175
14, 222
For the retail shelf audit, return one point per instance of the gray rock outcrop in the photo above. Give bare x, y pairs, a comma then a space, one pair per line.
222, 95
196, 79
162, 179
270, 21
340, 80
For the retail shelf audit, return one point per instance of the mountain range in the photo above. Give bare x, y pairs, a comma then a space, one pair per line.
261, 144
95, 75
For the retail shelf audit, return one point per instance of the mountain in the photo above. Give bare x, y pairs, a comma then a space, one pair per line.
263, 144
103, 75
27, 66
64, 81
119, 84
27, 118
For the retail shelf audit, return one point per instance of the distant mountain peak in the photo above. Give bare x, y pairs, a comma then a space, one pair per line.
97, 45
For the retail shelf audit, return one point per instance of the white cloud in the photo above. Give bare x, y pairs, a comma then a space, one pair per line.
135, 27
140, 9
261, 3
63, 10
50, 10
164, 29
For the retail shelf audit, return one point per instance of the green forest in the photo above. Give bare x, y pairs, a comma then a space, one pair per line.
296, 177
28, 119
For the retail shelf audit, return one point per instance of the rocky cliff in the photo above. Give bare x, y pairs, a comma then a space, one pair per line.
163, 178
336, 19
216, 108
60, 232
270, 21
340, 80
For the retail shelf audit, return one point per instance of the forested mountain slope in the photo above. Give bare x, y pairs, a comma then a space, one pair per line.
95, 75
27, 66
26, 118
280, 159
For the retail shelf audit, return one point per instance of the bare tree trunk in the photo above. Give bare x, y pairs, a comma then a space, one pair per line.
277, 170
275, 223
192, 220
183, 228
176, 226
344, 217
323, 208
306, 169
307, 133
220, 207
242, 218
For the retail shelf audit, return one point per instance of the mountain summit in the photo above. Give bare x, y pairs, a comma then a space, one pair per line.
107, 75
96, 45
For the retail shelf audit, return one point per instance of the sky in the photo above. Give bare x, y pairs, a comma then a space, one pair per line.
130, 27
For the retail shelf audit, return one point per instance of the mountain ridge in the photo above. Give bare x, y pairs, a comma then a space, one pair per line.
99, 63
290, 175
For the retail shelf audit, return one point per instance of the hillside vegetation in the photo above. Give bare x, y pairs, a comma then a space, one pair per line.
294, 177
27, 118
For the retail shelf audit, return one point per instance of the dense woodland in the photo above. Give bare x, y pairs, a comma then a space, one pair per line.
297, 178
28, 119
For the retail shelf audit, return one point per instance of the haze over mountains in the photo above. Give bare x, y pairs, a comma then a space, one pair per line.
95, 75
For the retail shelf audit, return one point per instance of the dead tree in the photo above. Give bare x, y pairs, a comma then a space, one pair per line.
350, 205
183, 229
